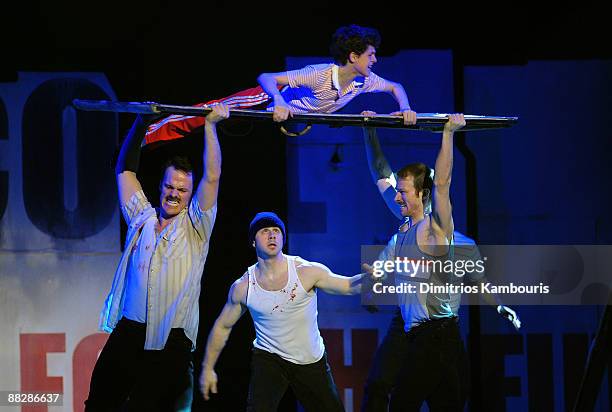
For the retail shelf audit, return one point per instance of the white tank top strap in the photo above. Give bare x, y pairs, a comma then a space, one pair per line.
292, 272
293, 268
252, 282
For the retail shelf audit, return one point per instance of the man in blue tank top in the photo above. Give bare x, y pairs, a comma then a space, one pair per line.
280, 292
422, 357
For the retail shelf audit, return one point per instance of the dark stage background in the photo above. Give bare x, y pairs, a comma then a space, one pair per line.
187, 53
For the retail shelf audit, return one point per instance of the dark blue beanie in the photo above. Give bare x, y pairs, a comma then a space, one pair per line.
265, 219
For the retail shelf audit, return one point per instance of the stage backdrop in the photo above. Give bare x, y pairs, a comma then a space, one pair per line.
59, 232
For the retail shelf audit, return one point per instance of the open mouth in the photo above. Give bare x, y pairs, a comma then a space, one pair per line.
172, 202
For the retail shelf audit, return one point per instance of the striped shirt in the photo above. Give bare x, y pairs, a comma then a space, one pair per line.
316, 89
172, 266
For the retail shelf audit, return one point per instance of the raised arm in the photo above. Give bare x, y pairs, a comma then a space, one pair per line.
380, 170
270, 82
232, 311
208, 188
442, 210
129, 160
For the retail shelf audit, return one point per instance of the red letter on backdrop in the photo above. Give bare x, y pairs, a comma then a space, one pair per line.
363, 344
33, 349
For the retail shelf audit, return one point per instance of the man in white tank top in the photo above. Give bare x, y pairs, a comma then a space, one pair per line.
280, 293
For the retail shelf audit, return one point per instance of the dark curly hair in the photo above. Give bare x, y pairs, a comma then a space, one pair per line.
353, 38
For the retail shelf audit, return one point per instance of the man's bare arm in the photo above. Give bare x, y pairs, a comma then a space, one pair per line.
399, 94
269, 82
232, 311
442, 210
208, 188
330, 282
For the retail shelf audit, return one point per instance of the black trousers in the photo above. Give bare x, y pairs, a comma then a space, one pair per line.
127, 377
427, 364
312, 384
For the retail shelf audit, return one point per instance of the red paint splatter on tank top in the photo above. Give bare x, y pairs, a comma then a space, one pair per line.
292, 294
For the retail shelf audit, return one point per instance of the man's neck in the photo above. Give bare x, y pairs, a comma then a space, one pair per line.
346, 75
271, 266
413, 220
163, 221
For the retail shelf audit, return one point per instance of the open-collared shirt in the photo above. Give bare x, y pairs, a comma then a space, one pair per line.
173, 265
316, 89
